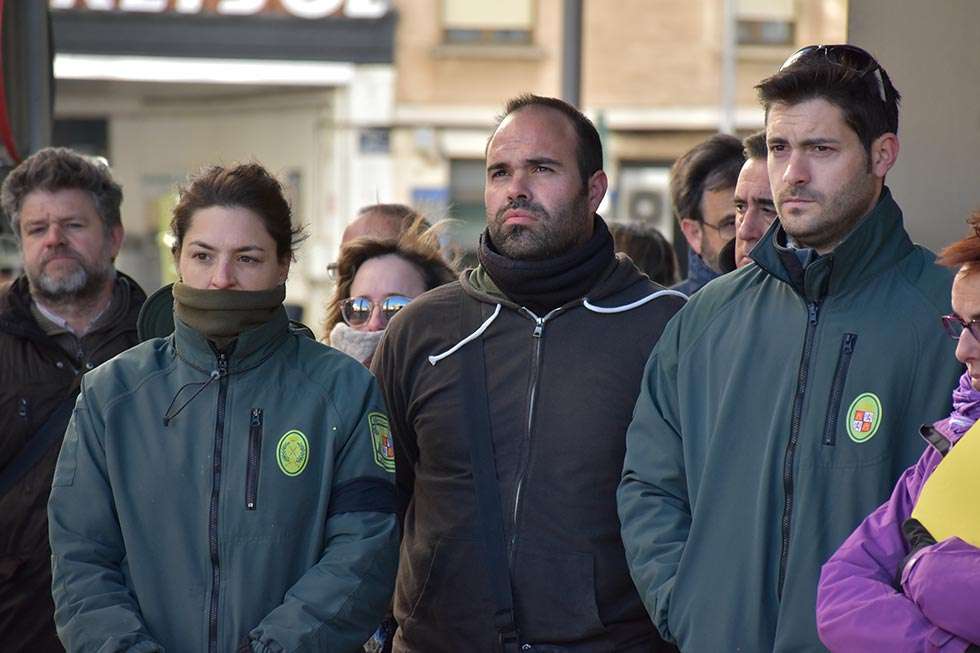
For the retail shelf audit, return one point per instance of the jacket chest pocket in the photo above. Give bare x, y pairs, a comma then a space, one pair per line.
253, 461
853, 423
848, 343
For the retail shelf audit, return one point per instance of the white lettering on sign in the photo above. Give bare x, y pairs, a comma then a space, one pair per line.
312, 8
300, 8
188, 6
240, 7
143, 5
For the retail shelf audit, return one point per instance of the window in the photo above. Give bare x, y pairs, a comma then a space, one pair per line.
501, 22
466, 180
766, 22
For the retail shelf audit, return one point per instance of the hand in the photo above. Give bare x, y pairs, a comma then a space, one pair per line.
917, 537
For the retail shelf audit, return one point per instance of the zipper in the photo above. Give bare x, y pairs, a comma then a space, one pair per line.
22, 411
837, 389
813, 311
254, 451
537, 334
219, 428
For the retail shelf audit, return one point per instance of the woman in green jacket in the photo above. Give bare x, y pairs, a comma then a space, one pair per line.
228, 487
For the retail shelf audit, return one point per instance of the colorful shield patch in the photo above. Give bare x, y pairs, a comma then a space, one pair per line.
384, 446
292, 453
864, 417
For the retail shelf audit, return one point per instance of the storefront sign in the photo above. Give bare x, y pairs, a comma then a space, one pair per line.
299, 8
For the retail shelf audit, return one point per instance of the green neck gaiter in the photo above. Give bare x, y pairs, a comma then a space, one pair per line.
221, 315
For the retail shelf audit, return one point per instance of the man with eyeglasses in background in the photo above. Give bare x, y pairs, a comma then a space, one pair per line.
745, 471
702, 183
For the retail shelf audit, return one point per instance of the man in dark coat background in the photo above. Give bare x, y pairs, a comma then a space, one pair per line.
67, 313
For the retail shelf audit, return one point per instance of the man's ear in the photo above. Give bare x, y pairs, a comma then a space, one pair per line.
116, 236
884, 153
693, 232
597, 185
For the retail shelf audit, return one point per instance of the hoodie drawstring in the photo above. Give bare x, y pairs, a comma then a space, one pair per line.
168, 417
473, 336
631, 306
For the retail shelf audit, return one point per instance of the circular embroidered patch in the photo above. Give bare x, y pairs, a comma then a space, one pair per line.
292, 453
864, 417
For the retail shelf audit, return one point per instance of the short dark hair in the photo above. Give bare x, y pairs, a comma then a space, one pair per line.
58, 168
588, 149
754, 146
870, 106
247, 185
648, 249
710, 165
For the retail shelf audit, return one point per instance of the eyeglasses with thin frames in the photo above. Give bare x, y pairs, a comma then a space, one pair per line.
955, 325
726, 229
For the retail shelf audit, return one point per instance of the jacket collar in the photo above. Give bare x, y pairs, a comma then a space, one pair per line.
250, 349
620, 282
698, 272
876, 244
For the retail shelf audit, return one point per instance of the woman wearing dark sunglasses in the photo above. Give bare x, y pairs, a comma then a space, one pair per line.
908, 578
375, 280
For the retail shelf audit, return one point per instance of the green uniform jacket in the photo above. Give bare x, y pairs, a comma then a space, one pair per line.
776, 412
262, 510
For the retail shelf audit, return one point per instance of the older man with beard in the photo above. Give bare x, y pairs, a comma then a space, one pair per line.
68, 312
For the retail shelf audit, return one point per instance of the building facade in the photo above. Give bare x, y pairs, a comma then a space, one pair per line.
353, 102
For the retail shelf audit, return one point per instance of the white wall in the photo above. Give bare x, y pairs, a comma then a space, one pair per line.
931, 50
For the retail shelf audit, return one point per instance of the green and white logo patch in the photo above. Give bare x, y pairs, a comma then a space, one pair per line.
864, 417
292, 453
383, 445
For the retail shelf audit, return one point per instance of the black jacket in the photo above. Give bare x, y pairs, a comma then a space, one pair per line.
561, 394
35, 375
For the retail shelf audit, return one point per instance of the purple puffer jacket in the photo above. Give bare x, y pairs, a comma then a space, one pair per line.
939, 609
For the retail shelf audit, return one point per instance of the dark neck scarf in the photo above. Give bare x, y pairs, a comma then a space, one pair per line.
221, 315
543, 286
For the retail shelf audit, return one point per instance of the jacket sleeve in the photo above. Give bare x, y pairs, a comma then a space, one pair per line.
94, 610
944, 582
652, 498
339, 602
858, 608
391, 378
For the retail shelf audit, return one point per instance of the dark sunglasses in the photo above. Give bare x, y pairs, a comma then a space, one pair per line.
955, 325
357, 311
848, 56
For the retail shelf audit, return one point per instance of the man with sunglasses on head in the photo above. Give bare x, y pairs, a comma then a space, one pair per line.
509, 393
702, 183
745, 472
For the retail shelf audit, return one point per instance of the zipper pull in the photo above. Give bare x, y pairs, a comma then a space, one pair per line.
256, 417
812, 310
538, 327
222, 364
849, 339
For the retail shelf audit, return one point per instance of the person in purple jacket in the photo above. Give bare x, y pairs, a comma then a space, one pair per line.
891, 587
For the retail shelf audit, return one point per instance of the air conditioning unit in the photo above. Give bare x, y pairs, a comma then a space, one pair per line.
643, 196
